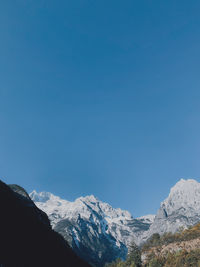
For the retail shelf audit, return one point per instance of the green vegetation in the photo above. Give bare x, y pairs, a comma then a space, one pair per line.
167, 238
181, 258
178, 259
133, 258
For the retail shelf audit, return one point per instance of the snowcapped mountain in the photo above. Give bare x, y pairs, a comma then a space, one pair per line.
179, 210
92, 227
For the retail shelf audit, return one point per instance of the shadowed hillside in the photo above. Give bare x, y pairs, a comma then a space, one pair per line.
26, 236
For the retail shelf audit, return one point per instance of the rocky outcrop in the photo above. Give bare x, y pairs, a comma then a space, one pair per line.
179, 210
92, 227
97, 232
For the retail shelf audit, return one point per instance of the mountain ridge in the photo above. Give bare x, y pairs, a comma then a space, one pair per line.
88, 221
95, 220
27, 238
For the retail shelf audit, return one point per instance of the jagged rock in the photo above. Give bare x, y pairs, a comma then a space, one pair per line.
179, 210
96, 231
93, 227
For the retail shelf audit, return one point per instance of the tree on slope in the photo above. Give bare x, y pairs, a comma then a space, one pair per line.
134, 256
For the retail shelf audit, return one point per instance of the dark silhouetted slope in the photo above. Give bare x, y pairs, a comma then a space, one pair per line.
26, 237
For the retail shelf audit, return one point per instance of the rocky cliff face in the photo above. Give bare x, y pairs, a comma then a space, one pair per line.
26, 235
93, 228
100, 233
179, 210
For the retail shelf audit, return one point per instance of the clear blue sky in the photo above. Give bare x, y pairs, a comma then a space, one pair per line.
100, 97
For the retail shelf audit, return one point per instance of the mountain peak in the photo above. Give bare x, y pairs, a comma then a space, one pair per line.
183, 182
90, 198
185, 187
180, 209
41, 197
184, 193
90, 223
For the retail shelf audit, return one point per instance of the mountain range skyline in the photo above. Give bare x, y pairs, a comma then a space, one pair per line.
93, 227
99, 128
45, 196
100, 97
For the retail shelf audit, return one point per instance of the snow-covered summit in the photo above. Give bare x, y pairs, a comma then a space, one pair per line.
89, 198
101, 218
42, 196
89, 222
82, 206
